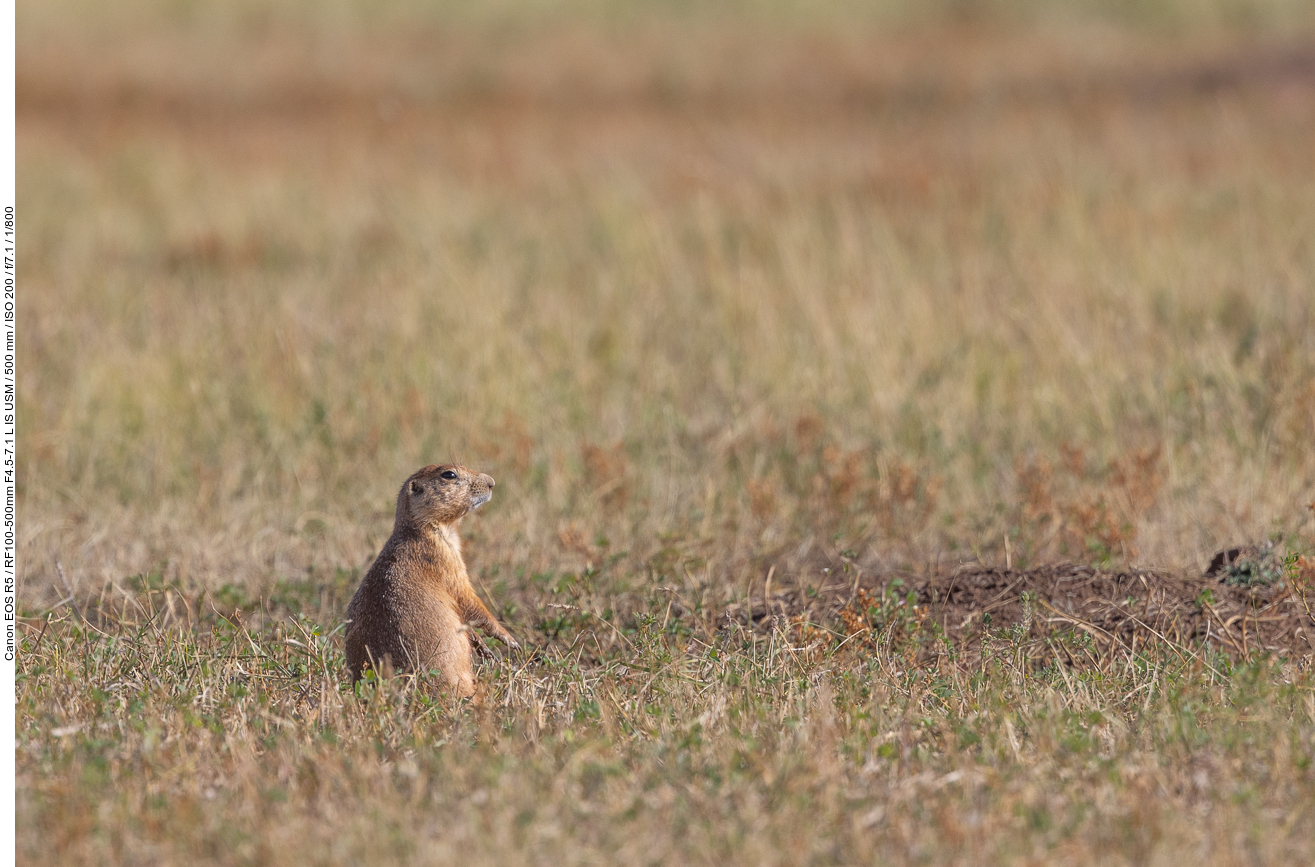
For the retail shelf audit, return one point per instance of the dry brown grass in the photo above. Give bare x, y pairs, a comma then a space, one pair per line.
708, 292
181, 738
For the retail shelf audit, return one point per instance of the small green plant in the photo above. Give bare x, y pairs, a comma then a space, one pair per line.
1261, 567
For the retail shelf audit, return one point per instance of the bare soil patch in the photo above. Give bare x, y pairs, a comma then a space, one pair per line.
1119, 610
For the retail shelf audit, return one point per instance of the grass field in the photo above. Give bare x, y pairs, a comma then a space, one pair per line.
737, 302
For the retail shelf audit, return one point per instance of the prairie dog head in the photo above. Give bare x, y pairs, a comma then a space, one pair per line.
442, 494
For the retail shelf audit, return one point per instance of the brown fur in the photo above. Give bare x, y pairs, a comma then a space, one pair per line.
411, 610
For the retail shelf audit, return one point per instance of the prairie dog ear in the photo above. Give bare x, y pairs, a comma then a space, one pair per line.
417, 487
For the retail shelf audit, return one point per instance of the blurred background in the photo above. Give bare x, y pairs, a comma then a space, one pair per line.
705, 286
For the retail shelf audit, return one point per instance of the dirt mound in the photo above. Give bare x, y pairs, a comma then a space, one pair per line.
1119, 610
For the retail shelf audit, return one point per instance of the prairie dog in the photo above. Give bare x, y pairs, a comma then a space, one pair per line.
413, 606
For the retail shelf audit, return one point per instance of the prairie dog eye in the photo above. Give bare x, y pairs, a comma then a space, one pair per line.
449, 474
